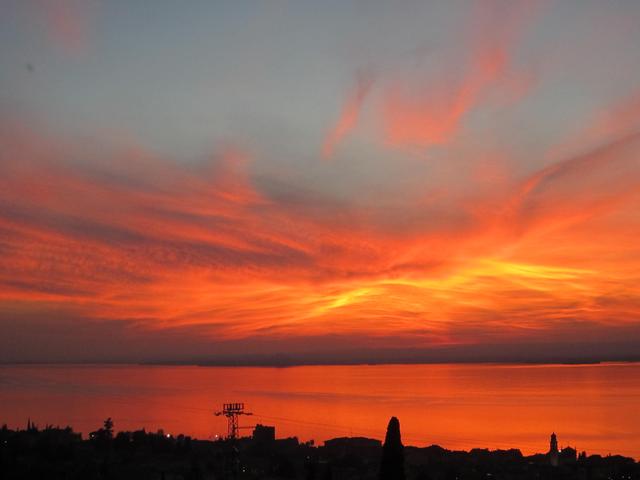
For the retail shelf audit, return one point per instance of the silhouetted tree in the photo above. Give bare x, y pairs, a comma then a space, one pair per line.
103, 436
108, 428
392, 463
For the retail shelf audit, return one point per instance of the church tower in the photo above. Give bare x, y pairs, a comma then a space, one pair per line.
553, 450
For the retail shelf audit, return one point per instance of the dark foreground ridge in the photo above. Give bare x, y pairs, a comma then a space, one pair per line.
60, 453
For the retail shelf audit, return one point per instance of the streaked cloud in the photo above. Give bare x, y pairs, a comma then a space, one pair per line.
350, 112
422, 107
175, 199
130, 236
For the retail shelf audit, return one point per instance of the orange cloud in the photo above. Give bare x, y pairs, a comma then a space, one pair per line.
199, 252
350, 112
431, 112
421, 109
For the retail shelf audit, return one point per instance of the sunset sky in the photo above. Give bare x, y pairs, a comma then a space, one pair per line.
191, 180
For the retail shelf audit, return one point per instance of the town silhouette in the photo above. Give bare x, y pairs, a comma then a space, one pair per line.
60, 453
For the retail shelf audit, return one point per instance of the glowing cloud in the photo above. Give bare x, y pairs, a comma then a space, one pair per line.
175, 249
217, 231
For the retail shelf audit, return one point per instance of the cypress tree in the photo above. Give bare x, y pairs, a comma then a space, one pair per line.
392, 463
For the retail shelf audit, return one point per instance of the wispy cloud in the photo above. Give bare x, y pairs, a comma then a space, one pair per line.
426, 107
351, 109
68, 23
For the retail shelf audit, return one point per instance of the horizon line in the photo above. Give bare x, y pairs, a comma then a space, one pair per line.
242, 364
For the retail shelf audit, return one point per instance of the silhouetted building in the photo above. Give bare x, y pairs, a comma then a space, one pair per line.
553, 450
287, 443
264, 434
392, 462
568, 455
352, 446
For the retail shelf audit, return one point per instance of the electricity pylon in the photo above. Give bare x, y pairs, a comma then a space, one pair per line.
232, 411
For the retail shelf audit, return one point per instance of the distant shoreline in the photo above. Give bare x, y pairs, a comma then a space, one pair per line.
249, 364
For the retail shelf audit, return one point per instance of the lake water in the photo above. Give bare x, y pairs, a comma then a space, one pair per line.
591, 407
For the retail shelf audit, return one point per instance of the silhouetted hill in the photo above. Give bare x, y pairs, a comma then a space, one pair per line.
550, 353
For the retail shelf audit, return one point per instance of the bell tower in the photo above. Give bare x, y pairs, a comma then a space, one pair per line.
553, 450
